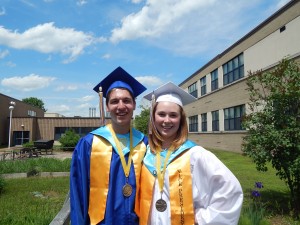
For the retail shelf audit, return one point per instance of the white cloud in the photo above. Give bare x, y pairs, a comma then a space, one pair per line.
136, 1
70, 87
156, 18
3, 54
83, 106
106, 56
28, 3
87, 98
59, 108
81, 2
190, 27
47, 38
27, 83
149, 80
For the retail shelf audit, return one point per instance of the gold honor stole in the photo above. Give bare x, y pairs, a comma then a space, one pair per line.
181, 196
99, 176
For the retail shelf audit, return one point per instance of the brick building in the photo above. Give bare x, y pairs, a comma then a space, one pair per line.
28, 123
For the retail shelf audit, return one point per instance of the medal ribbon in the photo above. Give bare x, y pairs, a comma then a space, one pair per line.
126, 166
161, 173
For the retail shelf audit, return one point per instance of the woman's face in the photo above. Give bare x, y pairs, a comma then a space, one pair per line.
167, 120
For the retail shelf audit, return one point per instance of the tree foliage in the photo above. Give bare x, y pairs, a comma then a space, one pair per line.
35, 102
69, 139
141, 121
273, 124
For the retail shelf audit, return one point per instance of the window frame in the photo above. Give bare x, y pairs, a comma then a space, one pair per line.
204, 122
233, 70
192, 89
193, 123
233, 118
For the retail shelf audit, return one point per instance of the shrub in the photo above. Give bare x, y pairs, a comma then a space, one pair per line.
28, 144
69, 139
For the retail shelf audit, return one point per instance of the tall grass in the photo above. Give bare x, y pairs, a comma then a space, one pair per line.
38, 164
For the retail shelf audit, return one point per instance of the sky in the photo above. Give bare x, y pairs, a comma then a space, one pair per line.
58, 50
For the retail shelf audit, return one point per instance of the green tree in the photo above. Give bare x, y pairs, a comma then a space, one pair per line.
69, 139
141, 121
273, 124
35, 102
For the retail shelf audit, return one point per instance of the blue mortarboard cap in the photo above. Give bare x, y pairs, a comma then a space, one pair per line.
119, 78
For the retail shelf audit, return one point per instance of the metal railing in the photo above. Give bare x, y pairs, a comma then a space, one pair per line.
63, 216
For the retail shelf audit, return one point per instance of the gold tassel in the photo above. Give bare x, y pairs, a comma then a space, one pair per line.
101, 107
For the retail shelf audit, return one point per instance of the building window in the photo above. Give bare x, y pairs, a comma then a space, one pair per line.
215, 120
193, 124
204, 122
233, 70
214, 80
233, 117
193, 90
31, 113
203, 85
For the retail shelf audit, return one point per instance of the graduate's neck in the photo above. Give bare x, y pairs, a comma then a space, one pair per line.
121, 129
166, 144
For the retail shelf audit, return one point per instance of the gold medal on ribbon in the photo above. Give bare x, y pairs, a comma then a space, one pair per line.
161, 204
127, 188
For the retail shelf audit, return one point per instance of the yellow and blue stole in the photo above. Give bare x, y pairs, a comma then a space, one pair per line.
101, 154
181, 196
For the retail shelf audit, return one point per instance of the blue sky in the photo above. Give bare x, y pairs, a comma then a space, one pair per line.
58, 50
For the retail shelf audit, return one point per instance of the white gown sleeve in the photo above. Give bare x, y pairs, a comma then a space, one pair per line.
217, 194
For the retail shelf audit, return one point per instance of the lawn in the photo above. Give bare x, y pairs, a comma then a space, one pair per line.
37, 200
32, 200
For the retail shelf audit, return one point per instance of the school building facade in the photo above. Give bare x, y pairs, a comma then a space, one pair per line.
220, 85
26, 123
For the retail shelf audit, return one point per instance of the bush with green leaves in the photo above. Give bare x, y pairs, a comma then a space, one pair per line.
273, 124
141, 121
29, 144
69, 139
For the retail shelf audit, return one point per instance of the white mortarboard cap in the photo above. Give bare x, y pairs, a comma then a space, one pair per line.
170, 92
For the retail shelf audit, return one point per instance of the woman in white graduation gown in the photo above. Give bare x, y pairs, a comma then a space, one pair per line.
181, 182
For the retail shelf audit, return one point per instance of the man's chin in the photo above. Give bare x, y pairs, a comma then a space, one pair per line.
123, 121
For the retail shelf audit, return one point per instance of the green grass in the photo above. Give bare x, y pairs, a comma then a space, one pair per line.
32, 200
39, 164
19, 205
274, 195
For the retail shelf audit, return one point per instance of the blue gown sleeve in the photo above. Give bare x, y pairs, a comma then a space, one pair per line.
79, 181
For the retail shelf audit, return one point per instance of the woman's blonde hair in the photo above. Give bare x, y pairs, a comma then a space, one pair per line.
156, 140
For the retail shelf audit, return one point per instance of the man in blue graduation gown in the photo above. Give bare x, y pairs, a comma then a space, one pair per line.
106, 163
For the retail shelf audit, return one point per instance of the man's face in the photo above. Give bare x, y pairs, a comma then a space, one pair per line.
121, 106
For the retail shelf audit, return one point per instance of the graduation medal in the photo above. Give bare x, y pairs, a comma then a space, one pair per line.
127, 188
161, 204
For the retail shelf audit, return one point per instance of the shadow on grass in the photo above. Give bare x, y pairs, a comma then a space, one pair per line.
276, 202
